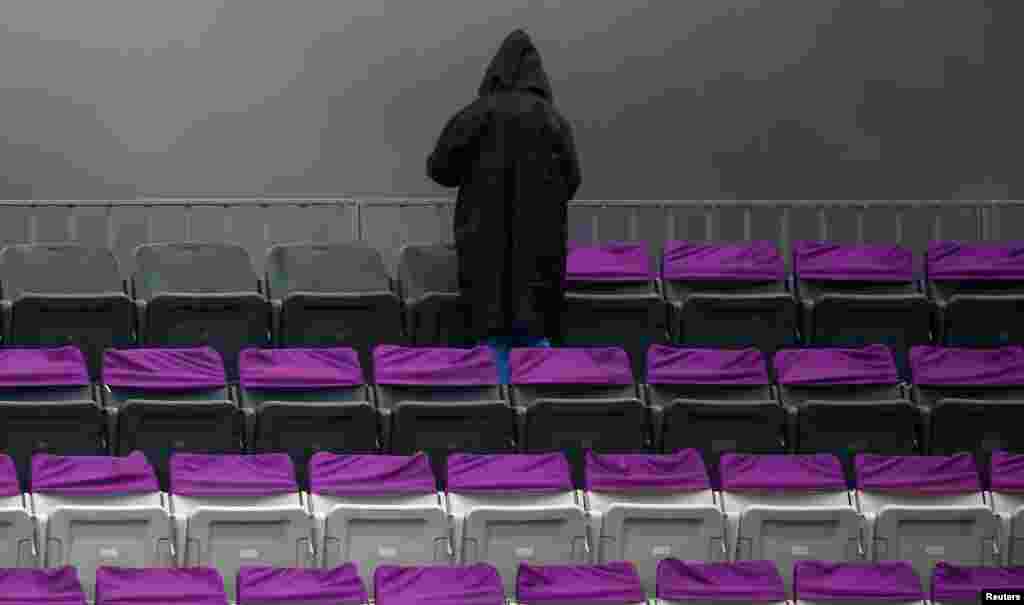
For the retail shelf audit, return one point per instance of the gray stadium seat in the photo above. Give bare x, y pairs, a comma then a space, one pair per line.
301, 375
789, 508
978, 290
99, 511
1007, 492
443, 375
967, 373
974, 399
837, 374
440, 400
68, 428
163, 400
696, 373
428, 276
577, 399
378, 510
569, 373
163, 374
839, 397
645, 508
302, 401
511, 508
333, 295
729, 295
233, 511
612, 298
925, 509
714, 400
44, 374
65, 294
195, 293
861, 295
18, 545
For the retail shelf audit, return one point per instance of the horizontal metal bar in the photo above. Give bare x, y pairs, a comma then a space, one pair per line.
228, 201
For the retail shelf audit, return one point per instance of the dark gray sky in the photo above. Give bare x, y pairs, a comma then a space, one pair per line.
702, 99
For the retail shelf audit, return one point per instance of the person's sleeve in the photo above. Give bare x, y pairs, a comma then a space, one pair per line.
571, 161
452, 157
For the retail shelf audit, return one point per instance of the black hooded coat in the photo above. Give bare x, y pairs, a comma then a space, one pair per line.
512, 156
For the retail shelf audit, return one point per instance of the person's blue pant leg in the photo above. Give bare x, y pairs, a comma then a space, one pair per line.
501, 345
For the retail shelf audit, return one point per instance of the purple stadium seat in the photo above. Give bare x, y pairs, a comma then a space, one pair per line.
374, 510
827, 582
159, 586
740, 582
613, 583
290, 586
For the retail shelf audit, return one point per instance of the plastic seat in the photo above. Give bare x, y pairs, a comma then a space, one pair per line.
378, 510
436, 315
692, 582
100, 511
788, 508
289, 586
569, 373
125, 586
577, 400
837, 374
511, 508
614, 583
839, 397
729, 295
333, 295
644, 508
163, 374
715, 400
612, 298
160, 401
967, 373
974, 399
701, 374
435, 374
196, 293
477, 584
232, 511
302, 401
301, 375
60, 294
828, 583
861, 295
961, 585
42, 586
925, 509
18, 546
441, 400
44, 374
1007, 476
47, 405
978, 290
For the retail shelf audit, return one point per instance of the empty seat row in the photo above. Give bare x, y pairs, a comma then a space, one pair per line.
702, 294
196, 293
427, 399
233, 511
679, 582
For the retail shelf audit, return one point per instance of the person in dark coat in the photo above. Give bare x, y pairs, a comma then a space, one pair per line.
512, 156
